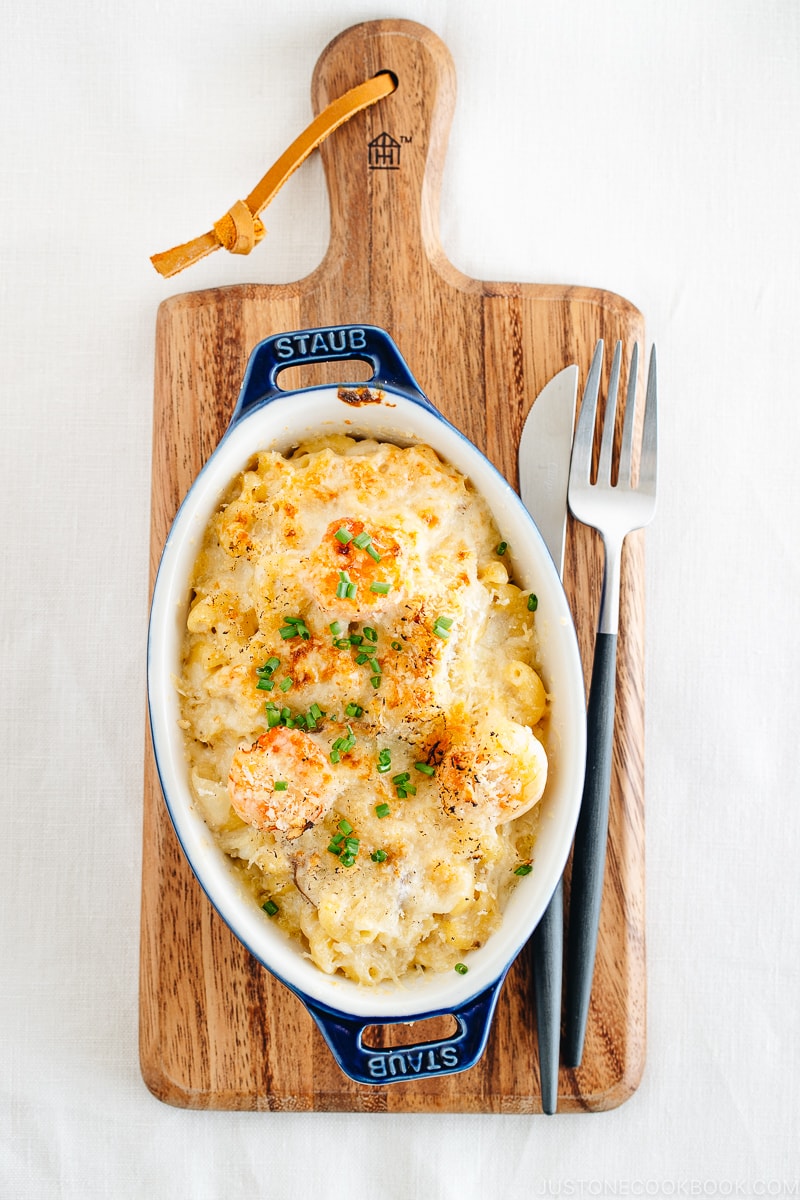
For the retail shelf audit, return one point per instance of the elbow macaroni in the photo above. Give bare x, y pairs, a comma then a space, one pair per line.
365, 719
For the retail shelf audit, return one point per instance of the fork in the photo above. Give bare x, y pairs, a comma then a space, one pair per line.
614, 510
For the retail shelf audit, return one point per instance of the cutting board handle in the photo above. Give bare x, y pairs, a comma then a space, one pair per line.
384, 167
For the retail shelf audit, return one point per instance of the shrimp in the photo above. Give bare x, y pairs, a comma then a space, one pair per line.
282, 783
497, 766
356, 570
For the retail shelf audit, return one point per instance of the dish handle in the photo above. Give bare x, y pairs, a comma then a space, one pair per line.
365, 1064
337, 343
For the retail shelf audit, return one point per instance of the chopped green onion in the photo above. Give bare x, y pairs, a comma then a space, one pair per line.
354, 710
370, 634
286, 683
345, 826
378, 856
342, 643
270, 907
345, 743
402, 794
382, 810
403, 777
409, 789
375, 680
425, 768
343, 535
382, 589
344, 585
273, 717
533, 602
376, 666
351, 591
336, 628
316, 711
286, 713
462, 968
337, 839
264, 684
372, 552
441, 627
280, 785
524, 869
362, 540
355, 639
362, 658
347, 860
333, 848
351, 845
501, 549
384, 761
294, 627
396, 646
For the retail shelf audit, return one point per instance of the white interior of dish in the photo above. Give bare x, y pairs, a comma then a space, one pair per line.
279, 426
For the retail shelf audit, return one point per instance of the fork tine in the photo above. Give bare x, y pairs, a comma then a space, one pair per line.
648, 466
607, 444
581, 465
626, 449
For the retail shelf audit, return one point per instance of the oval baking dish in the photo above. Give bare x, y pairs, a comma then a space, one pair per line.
395, 410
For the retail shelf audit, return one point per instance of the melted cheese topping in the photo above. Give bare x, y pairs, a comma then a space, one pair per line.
351, 618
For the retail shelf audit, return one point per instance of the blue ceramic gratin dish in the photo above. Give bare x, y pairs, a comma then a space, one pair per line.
267, 417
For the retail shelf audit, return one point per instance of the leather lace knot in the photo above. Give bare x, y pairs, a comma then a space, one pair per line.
239, 231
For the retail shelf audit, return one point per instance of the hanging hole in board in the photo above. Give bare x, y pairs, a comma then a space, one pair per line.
391, 75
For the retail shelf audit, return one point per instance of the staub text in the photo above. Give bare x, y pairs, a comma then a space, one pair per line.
320, 341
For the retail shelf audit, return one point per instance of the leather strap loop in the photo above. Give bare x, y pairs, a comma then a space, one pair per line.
240, 229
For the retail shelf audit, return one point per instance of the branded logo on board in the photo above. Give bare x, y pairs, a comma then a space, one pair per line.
384, 152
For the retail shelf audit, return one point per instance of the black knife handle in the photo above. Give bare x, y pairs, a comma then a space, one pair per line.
589, 854
548, 950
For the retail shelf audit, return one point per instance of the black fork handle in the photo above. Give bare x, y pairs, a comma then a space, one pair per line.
548, 952
589, 854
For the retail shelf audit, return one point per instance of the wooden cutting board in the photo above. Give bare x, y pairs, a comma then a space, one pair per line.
216, 1030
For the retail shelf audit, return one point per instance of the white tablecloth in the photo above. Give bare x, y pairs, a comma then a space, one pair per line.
647, 148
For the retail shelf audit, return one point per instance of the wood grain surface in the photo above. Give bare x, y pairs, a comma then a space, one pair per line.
216, 1030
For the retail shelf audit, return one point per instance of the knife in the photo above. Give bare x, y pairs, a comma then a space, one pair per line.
544, 455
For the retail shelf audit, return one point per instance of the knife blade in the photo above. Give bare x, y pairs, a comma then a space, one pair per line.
544, 456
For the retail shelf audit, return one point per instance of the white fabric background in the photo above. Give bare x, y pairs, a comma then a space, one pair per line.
648, 148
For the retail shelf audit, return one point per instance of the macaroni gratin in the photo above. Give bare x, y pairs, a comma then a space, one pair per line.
364, 717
